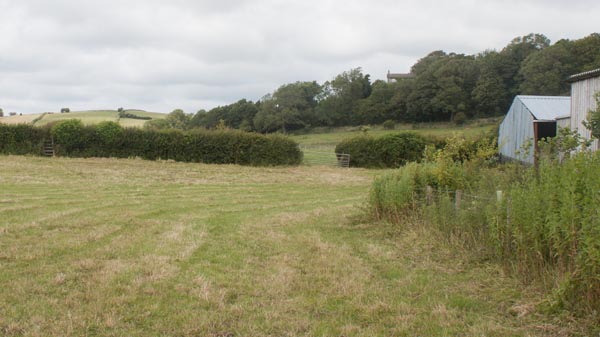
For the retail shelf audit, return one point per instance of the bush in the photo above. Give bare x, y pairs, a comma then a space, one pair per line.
389, 124
109, 132
68, 134
392, 150
460, 118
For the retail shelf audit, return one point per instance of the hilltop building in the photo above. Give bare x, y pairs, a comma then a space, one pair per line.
394, 77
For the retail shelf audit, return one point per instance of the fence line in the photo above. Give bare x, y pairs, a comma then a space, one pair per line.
459, 196
322, 158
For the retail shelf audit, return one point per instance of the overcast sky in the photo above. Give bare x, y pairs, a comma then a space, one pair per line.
197, 54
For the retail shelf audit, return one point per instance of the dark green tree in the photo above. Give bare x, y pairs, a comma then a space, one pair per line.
233, 115
178, 119
340, 97
198, 120
378, 107
291, 107
512, 57
545, 72
456, 78
489, 94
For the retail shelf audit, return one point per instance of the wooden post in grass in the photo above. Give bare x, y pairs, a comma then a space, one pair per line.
457, 199
499, 196
429, 194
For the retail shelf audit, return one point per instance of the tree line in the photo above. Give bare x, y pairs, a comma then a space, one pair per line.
444, 87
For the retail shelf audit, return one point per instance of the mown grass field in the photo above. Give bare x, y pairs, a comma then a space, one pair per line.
106, 247
87, 117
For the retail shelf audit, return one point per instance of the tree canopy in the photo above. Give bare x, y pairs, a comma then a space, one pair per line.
444, 87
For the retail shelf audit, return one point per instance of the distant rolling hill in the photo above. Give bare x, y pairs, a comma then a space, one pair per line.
87, 117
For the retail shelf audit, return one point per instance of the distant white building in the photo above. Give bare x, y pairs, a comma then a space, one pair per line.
529, 119
584, 87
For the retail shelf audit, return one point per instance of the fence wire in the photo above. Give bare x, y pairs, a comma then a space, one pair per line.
323, 158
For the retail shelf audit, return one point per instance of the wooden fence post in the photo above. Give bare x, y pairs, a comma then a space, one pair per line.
429, 194
457, 199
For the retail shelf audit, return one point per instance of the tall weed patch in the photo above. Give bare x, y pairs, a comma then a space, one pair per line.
553, 226
543, 224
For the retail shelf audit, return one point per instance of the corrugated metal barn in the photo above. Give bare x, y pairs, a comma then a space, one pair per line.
584, 86
530, 118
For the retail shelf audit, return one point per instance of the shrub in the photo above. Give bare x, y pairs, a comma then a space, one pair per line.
361, 150
397, 149
68, 134
460, 118
109, 132
388, 151
389, 124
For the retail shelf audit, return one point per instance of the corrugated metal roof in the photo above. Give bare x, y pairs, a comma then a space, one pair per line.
585, 75
547, 107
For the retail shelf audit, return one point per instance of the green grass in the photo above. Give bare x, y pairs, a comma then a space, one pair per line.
87, 117
137, 248
326, 140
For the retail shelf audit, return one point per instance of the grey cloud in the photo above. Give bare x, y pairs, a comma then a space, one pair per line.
190, 54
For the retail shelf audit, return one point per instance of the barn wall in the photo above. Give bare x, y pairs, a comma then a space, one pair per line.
582, 101
516, 129
563, 123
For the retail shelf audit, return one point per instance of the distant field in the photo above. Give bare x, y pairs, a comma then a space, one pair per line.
327, 140
24, 119
87, 117
136, 248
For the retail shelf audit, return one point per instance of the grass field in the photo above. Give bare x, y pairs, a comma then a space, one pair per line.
23, 119
105, 247
87, 117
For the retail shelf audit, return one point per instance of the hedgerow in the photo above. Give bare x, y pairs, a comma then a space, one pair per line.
393, 150
22, 139
108, 139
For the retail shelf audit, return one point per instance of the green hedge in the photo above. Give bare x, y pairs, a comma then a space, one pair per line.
108, 139
392, 150
22, 139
